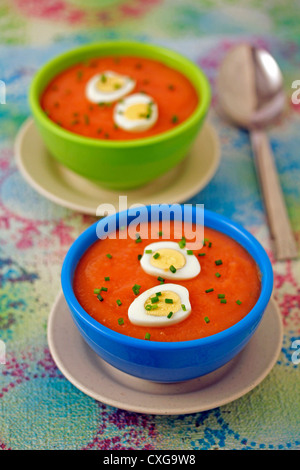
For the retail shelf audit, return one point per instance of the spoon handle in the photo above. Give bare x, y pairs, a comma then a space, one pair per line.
280, 227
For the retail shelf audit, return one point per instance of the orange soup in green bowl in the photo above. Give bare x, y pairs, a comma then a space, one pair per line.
119, 113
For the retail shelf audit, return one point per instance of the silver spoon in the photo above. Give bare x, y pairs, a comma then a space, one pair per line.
250, 94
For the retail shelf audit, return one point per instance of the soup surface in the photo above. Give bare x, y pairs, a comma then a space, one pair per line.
78, 103
224, 291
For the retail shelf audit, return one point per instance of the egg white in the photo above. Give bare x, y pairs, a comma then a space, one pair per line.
135, 125
138, 315
190, 270
95, 95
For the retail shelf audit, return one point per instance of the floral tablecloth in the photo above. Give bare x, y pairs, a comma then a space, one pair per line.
40, 409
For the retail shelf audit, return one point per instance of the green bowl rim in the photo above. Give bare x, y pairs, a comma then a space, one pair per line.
199, 112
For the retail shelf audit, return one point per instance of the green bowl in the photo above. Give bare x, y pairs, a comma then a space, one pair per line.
120, 164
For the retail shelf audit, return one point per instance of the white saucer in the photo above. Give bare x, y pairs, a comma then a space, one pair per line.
99, 380
64, 187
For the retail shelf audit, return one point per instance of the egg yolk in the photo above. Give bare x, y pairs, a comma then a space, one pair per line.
109, 83
167, 257
163, 304
138, 111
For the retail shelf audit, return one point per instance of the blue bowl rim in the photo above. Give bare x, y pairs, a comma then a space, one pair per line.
212, 220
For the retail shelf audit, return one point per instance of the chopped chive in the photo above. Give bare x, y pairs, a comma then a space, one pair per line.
138, 240
182, 242
151, 307
221, 296
168, 301
97, 291
161, 279
189, 252
119, 302
183, 307
209, 290
154, 300
99, 297
101, 104
109, 256
148, 251
218, 262
238, 302
174, 119
104, 289
223, 301
107, 278
172, 269
206, 319
147, 336
103, 78
136, 289
139, 257
209, 244
158, 293
154, 307
217, 274
170, 314
121, 321
160, 233
156, 255
201, 254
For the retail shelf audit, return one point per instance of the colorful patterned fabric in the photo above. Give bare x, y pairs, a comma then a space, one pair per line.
40, 409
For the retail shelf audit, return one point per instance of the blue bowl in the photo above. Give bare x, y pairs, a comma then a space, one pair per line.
168, 361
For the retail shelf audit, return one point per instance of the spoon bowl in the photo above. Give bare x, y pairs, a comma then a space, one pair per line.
250, 87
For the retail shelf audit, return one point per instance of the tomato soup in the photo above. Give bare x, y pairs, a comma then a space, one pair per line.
110, 277
90, 98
